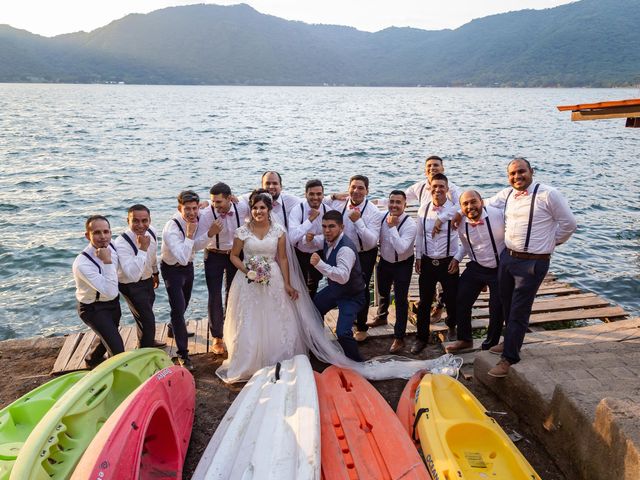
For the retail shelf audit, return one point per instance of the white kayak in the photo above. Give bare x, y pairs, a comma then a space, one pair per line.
272, 429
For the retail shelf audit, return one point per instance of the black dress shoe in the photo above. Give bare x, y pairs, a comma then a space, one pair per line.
418, 346
93, 363
159, 344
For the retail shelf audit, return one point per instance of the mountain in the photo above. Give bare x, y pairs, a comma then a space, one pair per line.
586, 43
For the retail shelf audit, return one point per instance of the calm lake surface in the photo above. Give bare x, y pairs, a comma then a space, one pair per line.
68, 151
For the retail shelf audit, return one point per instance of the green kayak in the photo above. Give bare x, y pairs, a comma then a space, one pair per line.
20, 418
57, 443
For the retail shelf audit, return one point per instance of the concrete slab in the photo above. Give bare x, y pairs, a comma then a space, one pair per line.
581, 400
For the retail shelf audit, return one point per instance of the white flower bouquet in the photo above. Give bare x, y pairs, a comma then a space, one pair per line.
259, 269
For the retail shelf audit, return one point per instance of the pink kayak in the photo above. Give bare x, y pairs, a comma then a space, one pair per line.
147, 436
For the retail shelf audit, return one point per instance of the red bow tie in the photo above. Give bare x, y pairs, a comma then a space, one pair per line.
354, 207
523, 193
437, 208
479, 222
228, 214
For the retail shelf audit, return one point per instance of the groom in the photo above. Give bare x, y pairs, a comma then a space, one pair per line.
346, 288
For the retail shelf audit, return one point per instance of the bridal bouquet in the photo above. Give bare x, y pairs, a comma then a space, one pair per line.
259, 270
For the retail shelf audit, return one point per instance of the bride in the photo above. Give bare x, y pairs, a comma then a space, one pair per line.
260, 326
270, 316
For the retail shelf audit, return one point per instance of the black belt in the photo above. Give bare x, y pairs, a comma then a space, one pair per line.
216, 250
436, 261
528, 256
399, 262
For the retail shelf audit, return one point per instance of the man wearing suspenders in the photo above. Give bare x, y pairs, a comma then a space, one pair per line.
435, 248
138, 275
95, 272
179, 243
305, 232
283, 203
361, 220
397, 242
482, 239
537, 218
220, 220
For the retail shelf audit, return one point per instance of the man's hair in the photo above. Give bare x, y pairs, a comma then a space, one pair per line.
271, 171
362, 178
220, 189
398, 192
261, 195
440, 176
333, 215
313, 183
434, 157
93, 218
138, 207
187, 196
522, 159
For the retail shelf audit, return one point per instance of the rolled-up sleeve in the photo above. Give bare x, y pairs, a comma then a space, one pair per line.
345, 260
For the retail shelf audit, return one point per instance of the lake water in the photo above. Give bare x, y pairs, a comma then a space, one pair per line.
68, 151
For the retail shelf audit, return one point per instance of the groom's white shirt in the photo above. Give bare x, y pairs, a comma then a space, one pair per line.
345, 260
300, 225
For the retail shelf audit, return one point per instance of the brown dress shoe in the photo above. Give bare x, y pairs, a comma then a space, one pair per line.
436, 314
360, 336
218, 346
377, 322
497, 349
397, 345
501, 369
459, 346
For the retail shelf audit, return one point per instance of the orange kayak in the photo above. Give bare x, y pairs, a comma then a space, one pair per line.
406, 409
361, 436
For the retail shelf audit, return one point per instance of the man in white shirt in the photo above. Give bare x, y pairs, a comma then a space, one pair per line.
397, 242
180, 240
537, 218
361, 219
220, 220
283, 203
346, 287
95, 272
436, 244
482, 240
138, 274
421, 193
305, 232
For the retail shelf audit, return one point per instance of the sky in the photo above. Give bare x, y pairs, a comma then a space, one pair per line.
53, 17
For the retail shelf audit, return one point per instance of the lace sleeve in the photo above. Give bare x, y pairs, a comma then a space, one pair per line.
242, 233
277, 230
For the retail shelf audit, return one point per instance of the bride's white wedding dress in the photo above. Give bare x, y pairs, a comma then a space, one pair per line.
260, 326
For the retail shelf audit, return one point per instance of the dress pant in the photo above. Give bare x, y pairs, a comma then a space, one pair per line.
367, 264
398, 275
430, 275
140, 297
472, 281
333, 296
104, 319
216, 265
311, 274
519, 280
178, 280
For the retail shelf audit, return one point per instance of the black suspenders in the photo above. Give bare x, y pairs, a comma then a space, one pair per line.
180, 227
99, 271
529, 226
215, 217
424, 227
493, 241
399, 227
130, 242
361, 214
284, 212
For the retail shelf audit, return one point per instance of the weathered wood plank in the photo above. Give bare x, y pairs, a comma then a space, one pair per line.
129, 337
569, 302
76, 362
70, 345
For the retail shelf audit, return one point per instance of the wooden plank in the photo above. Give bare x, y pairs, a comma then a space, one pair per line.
70, 344
570, 302
199, 340
76, 362
613, 103
129, 337
619, 331
614, 112
565, 316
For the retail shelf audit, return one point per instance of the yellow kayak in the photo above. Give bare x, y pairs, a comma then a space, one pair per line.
459, 439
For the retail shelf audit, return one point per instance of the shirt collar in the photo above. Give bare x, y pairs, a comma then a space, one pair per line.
336, 241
